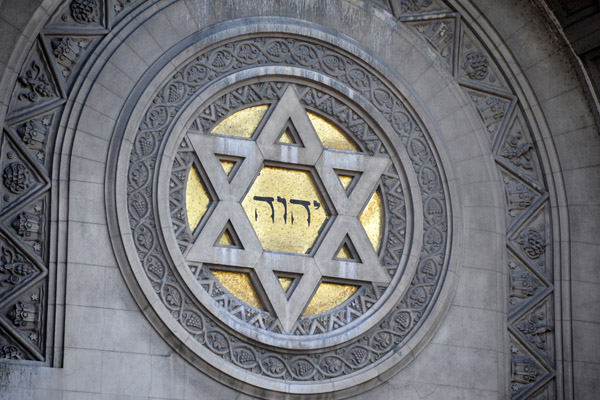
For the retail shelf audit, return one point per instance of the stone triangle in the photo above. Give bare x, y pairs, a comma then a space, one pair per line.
526, 285
245, 247
67, 51
16, 269
35, 133
287, 305
407, 9
516, 151
80, 16
36, 86
21, 178
12, 349
493, 110
531, 239
527, 370
287, 281
522, 195
25, 316
289, 114
441, 33
27, 225
363, 264
535, 327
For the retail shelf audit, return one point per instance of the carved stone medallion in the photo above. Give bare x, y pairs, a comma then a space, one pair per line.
287, 217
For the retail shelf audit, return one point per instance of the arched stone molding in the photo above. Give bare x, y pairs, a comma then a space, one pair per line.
537, 110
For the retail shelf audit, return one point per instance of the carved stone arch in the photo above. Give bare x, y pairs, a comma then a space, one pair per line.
515, 155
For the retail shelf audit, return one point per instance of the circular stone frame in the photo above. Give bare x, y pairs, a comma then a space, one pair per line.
191, 332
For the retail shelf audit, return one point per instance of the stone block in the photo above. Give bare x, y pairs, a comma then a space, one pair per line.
115, 79
85, 285
477, 288
89, 146
168, 377
161, 30
95, 122
86, 202
86, 170
117, 293
586, 346
83, 327
584, 223
82, 370
90, 244
578, 148
586, 301
586, 382
584, 262
567, 112
126, 331
583, 186
469, 327
453, 366
126, 374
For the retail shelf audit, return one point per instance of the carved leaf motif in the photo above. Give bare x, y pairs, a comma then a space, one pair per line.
332, 365
36, 83
274, 366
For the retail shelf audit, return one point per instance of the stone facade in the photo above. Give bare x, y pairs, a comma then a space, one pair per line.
473, 117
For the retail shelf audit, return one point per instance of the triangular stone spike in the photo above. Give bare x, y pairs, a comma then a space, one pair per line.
441, 33
18, 269
288, 310
25, 316
21, 178
67, 50
289, 113
370, 170
493, 110
207, 248
366, 267
36, 86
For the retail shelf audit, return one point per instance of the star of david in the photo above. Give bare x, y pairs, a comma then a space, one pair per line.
250, 255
